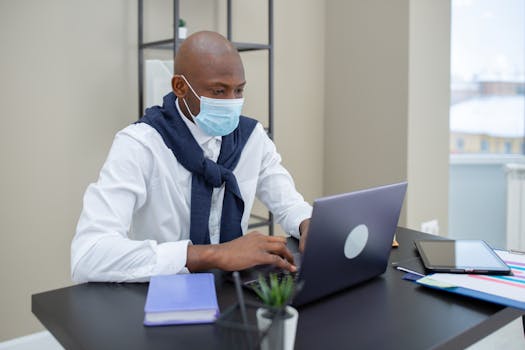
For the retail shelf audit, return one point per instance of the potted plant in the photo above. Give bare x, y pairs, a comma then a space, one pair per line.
183, 30
276, 317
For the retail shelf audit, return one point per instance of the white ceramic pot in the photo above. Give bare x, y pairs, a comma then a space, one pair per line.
290, 327
183, 32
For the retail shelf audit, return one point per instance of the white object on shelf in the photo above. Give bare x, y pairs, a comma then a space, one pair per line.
183, 32
158, 76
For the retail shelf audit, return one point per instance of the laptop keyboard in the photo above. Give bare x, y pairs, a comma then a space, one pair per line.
250, 279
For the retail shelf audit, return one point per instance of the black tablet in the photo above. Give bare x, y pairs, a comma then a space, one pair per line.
460, 256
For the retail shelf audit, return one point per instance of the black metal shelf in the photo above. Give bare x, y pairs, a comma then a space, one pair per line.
173, 43
167, 44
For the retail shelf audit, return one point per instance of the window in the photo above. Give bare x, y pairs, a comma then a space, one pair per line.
507, 147
484, 146
460, 144
487, 110
488, 75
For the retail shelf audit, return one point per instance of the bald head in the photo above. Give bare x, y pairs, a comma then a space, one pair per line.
203, 49
211, 65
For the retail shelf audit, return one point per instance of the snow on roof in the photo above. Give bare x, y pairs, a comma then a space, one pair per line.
501, 116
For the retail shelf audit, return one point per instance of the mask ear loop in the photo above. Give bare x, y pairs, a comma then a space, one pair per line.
191, 88
184, 100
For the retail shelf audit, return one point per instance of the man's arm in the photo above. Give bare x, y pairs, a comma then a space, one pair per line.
101, 249
276, 190
249, 250
303, 229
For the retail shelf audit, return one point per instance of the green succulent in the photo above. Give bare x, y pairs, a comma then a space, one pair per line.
182, 23
275, 294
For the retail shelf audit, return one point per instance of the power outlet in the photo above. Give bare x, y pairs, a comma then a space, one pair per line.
431, 226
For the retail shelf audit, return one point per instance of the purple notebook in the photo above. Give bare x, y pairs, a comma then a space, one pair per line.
181, 299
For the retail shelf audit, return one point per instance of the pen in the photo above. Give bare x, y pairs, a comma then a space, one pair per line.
400, 268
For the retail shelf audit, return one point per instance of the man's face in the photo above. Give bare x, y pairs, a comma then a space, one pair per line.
219, 77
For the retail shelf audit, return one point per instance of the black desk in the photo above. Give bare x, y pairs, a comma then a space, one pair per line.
384, 313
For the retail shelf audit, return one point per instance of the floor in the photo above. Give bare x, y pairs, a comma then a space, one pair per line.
510, 337
36, 341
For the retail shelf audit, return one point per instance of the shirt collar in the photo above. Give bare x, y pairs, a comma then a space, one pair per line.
200, 136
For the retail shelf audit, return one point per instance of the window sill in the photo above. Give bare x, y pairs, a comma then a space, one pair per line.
492, 158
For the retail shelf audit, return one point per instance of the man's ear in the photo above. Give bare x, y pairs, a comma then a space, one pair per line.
179, 87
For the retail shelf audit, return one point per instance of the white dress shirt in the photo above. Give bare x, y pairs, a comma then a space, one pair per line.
135, 222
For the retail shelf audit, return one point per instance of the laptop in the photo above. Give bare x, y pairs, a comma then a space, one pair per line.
349, 241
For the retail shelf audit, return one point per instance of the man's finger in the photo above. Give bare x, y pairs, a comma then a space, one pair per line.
280, 249
281, 239
282, 263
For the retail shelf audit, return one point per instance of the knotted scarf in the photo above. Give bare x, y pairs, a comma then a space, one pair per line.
206, 174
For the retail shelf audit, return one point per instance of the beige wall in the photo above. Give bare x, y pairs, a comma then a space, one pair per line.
366, 95
68, 83
68, 75
299, 84
386, 101
428, 126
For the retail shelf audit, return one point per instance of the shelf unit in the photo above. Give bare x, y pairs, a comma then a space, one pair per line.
173, 43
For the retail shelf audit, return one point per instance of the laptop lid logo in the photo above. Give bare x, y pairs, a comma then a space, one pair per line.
356, 241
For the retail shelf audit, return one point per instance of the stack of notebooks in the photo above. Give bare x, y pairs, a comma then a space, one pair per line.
181, 299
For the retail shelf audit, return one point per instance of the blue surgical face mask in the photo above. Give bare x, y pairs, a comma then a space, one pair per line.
217, 117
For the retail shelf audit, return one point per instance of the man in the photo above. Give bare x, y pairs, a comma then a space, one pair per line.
177, 188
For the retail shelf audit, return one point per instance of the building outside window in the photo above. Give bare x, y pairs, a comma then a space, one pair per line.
507, 147
487, 75
484, 146
460, 144
487, 113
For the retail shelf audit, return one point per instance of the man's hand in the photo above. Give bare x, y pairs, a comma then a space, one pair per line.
244, 252
303, 229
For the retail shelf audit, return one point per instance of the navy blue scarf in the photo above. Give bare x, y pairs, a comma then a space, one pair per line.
206, 174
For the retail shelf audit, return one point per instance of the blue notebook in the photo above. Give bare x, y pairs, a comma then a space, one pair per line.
181, 299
